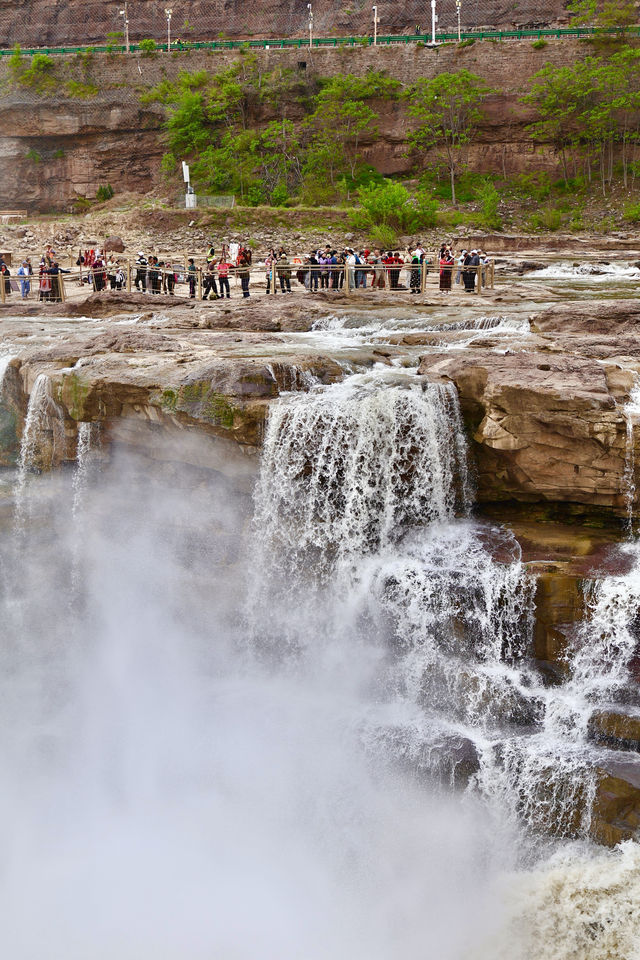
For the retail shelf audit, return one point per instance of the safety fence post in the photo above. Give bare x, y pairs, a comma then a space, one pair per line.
423, 275
199, 283
128, 276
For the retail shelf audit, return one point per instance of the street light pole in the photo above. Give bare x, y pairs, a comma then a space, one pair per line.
433, 22
123, 13
168, 13
458, 7
310, 9
376, 21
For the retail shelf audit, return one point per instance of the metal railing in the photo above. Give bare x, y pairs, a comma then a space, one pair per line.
299, 43
201, 283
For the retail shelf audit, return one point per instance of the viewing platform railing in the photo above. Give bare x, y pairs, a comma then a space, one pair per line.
299, 43
295, 277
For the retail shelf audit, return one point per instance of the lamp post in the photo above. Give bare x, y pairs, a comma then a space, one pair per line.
434, 20
310, 9
168, 13
123, 13
458, 8
376, 21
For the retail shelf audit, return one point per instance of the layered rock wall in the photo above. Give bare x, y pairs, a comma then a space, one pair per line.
56, 148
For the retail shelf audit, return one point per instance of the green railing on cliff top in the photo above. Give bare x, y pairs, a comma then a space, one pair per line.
301, 43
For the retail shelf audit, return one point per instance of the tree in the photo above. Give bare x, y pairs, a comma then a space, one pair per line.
335, 131
448, 109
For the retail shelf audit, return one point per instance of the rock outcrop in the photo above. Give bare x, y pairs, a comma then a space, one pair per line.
546, 426
70, 146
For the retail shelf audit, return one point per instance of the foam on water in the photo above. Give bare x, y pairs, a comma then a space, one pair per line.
587, 272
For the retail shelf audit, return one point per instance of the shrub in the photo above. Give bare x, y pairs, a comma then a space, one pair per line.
279, 195
632, 212
539, 44
39, 74
489, 200
391, 205
148, 47
426, 207
533, 186
104, 192
384, 236
82, 91
255, 195
33, 155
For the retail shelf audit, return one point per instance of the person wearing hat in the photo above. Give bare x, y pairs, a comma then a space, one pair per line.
471, 264
141, 272
460, 265
283, 270
25, 285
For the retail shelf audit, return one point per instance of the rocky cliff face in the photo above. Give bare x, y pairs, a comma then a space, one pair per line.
56, 148
43, 23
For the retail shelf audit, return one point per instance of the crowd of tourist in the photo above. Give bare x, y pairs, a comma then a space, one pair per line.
49, 284
322, 269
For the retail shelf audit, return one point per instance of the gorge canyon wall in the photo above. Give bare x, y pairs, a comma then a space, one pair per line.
55, 148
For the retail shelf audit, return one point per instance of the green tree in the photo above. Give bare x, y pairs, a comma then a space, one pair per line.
335, 131
448, 110
390, 204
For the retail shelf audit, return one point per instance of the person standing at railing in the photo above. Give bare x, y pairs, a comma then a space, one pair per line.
446, 270
270, 270
417, 259
192, 276
224, 267
112, 269
141, 272
55, 271
244, 271
210, 289
25, 285
284, 273
98, 274
461, 260
471, 264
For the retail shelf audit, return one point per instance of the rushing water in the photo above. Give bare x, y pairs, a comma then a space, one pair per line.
233, 731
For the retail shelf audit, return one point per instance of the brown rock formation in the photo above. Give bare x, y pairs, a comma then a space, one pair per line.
112, 138
544, 426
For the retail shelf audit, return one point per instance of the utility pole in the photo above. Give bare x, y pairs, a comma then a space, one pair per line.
458, 8
434, 20
310, 9
376, 21
123, 13
168, 13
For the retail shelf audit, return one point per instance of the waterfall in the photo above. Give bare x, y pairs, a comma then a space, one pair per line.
5, 360
346, 470
362, 515
43, 426
88, 435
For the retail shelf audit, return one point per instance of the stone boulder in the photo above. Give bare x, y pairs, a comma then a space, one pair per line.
114, 245
544, 427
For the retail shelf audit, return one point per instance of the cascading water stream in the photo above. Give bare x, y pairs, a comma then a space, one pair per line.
44, 421
359, 514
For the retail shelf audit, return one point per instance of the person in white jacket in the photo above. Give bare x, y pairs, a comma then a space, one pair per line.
24, 274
